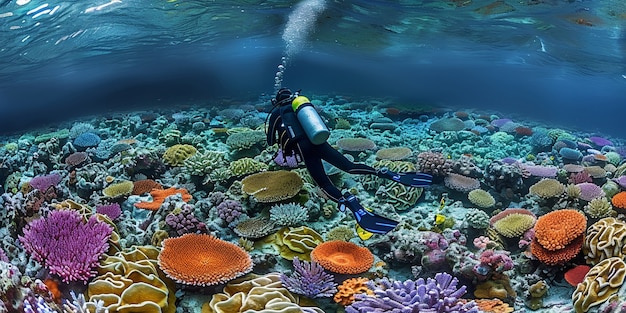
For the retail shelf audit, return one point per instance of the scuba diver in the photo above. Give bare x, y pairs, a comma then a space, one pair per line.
301, 135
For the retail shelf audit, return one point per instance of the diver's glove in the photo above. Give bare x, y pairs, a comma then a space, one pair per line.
407, 179
367, 220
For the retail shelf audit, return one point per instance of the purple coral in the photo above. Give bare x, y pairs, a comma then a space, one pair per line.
184, 221
229, 210
309, 280
66, 244
3, 256
112, 210
439, 295
42, 183
286, 160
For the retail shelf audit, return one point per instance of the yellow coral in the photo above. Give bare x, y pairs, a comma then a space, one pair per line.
606, 238
118, 190
130, 281
246, 166
255, 294
272, 186
295, 241
547, 188
600, 284
481, 198
514, 225
177, 154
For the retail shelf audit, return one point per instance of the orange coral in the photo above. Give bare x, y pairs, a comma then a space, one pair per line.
558, 228
203, 260
619, 200
493, 306
343, 257
159, 195
349, 288
144, 186
558, 256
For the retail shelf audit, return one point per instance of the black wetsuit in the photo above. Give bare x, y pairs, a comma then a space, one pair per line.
285, 129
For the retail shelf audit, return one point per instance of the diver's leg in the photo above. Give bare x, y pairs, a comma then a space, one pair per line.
337, 159
314, 165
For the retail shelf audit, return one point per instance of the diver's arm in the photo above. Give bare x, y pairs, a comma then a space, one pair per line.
272, 129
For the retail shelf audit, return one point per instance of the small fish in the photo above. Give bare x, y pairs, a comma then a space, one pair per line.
439, 219
442, 203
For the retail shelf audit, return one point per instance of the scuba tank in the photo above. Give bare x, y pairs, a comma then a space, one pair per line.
311, 122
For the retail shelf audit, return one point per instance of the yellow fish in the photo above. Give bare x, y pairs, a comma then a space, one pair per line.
439, 219
363, 234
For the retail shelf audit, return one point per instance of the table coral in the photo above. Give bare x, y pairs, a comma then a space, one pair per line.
343, 257
118, 190
203, 260
272, 186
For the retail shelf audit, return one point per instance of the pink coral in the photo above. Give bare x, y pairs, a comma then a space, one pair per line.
66, 244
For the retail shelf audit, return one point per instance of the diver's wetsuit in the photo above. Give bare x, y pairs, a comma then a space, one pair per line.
285, 130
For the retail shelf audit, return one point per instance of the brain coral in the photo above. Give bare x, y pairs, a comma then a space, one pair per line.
256, 294
295, 242
600, 284
547, 188
513, 223
177, 154
343, 257
272, 186
606, 238
481, 198
203, 260
130, 281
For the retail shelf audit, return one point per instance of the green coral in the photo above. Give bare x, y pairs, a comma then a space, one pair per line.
12, 183
614, 157
477, 219
170, 136
481, 198
400, 196
245, 140
204, 163
59, 134
245, 166
342, 123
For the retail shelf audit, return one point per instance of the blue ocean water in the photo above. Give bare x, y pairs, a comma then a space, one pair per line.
561, 61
